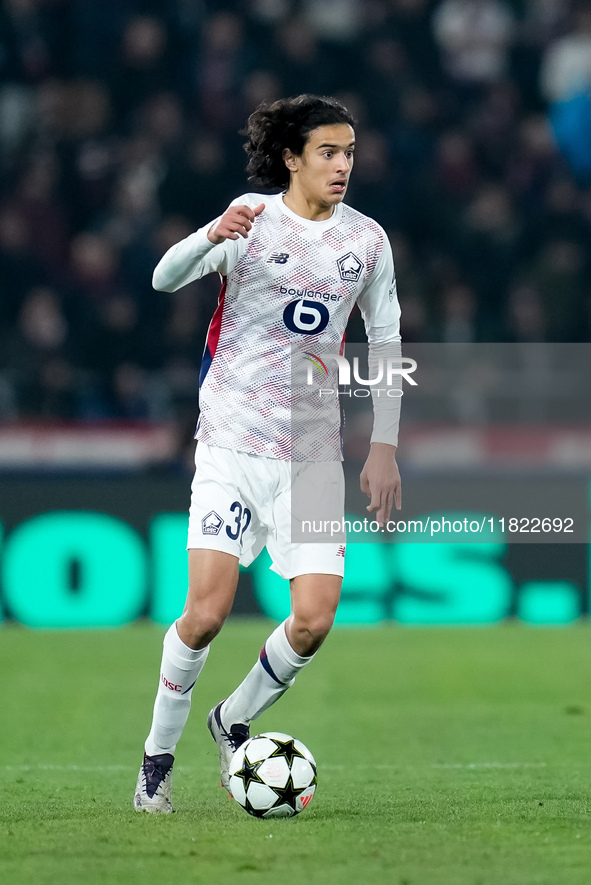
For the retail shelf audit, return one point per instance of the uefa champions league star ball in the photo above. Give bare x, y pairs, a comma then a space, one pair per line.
273, 775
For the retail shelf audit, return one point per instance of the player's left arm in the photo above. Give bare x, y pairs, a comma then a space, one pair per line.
380, 477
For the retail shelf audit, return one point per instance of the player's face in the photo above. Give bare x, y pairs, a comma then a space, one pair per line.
321, 173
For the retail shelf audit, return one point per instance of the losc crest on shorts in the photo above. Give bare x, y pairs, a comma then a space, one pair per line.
241, 503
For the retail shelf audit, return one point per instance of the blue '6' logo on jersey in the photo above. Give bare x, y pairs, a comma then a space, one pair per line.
306, 317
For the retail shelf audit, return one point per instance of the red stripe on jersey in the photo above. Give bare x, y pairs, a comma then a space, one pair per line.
213, 335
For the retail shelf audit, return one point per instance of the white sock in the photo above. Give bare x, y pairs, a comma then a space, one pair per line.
180, 668
271, 676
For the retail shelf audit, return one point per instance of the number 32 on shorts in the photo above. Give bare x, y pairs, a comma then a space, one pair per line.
242, 517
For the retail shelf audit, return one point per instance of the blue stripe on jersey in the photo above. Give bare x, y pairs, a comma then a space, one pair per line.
205, 364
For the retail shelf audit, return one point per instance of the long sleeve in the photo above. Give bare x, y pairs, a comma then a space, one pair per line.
378, 302
381, 314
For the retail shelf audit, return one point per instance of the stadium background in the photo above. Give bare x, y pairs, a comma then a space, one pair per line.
118, 137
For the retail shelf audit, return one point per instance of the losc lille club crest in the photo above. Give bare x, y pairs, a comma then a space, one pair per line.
350, 267
212, 523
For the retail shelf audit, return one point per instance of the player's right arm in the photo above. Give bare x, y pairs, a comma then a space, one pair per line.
217, 247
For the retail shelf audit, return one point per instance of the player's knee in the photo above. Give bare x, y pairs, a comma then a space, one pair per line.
202, 626
314, 628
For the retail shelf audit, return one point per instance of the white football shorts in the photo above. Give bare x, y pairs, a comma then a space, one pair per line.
241, 503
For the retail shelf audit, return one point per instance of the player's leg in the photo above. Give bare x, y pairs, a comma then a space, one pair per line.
314, 601
213, 577
222, 529
290, 647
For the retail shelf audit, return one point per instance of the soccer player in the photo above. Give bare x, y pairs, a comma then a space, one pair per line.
292, 265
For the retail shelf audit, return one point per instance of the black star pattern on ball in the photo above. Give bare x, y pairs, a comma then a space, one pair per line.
289, 794
287, 749
249, 774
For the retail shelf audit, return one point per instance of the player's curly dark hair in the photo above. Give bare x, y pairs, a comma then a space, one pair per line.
286, 123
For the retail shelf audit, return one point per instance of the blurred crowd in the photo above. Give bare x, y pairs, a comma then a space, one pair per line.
119, 136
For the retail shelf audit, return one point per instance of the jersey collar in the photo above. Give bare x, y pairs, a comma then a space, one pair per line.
321, 226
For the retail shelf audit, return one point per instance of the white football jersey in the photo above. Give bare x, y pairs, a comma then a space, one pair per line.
287, 289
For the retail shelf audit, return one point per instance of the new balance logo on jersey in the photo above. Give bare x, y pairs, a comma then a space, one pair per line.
278, 258
341, 550
350, 267
212, 523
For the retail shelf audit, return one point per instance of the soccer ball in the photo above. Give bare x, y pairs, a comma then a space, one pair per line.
273, 775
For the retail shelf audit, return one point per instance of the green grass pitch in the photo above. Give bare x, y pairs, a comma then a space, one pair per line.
445, 757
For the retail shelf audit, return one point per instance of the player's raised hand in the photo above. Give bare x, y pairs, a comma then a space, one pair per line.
235, 222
